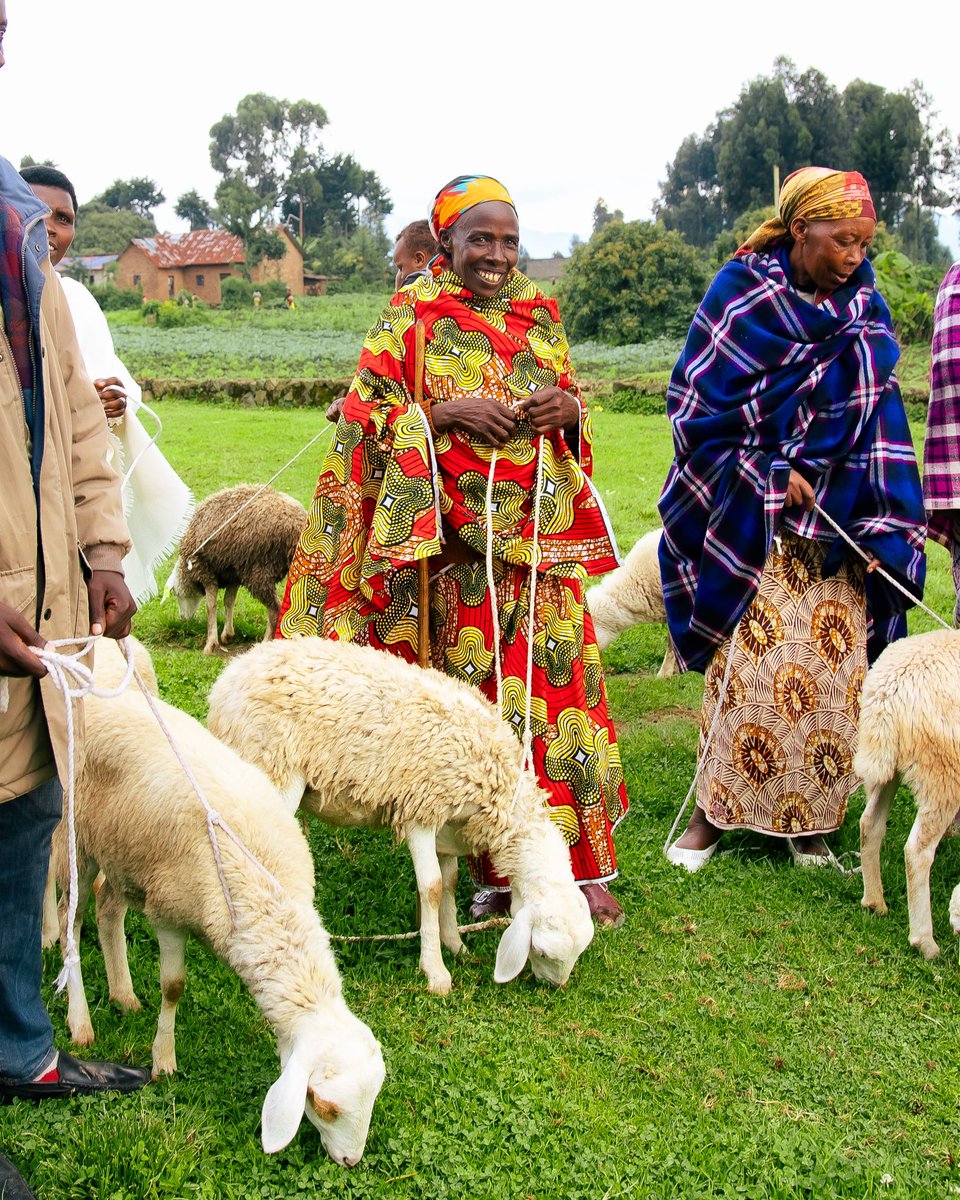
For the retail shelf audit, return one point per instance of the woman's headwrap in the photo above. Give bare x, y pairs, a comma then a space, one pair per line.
462, 193
819, 194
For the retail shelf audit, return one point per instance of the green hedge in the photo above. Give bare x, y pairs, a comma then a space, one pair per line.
249, 393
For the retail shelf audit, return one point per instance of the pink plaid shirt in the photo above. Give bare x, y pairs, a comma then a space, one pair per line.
941, 448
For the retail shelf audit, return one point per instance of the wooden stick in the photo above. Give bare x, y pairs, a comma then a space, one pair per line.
423, 564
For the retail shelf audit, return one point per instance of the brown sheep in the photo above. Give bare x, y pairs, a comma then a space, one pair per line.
254, 550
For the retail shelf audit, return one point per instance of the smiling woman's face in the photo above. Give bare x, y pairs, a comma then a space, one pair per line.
484, 246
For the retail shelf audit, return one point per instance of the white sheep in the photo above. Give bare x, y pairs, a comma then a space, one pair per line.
632, 595
140, 822
367, 739
253, 550
909, 730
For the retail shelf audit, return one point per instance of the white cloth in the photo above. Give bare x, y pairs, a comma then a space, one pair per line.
156, 502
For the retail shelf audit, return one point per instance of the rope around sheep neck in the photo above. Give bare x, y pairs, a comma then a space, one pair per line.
701, 758
259, 492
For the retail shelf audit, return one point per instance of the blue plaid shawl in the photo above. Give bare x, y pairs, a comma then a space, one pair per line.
766, 382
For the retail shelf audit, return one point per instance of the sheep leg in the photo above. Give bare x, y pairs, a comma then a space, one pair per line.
422, 844
212, 643
229, 600
173, 945
265, 591
449, 933
873, 828
50, 928
919, 852
111, 913
78, 1014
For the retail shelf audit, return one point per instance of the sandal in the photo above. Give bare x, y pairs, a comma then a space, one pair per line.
490, 902
604, 907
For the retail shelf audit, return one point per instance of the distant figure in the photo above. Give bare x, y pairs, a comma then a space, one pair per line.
941, 446
414, 248
291, 303
157, 503
256, 298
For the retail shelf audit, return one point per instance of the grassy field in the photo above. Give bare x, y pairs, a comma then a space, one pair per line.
750, 1031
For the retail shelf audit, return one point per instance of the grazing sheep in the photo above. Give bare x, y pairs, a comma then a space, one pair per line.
367, 739
632, 595
140, 822
254, 550
909, 729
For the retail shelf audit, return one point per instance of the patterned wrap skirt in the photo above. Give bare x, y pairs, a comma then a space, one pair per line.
575, 750
781, 758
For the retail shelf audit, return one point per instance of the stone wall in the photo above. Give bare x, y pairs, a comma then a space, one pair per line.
248, 393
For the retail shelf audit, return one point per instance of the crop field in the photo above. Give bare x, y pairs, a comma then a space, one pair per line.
750, 1031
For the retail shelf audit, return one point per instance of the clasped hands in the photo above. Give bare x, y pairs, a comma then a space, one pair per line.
547, 409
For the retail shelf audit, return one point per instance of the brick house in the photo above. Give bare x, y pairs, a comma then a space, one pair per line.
196, 262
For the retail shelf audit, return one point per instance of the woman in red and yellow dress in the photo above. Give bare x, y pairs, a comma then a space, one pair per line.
401, 483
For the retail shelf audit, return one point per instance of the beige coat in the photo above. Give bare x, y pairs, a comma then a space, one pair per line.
80, 508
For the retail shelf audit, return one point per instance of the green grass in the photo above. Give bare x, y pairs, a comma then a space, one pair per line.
750, 1032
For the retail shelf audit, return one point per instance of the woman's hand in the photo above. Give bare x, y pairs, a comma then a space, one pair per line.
550, 408
799, 492
477, 415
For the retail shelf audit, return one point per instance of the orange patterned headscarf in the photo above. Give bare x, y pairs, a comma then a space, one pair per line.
462, 193
819, 194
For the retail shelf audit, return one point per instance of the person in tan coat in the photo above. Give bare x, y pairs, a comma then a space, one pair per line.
62, 538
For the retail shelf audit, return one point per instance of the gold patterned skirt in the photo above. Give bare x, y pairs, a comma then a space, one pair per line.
781, 758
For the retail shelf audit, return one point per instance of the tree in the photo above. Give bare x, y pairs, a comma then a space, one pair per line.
789, 120
29, 161
140, 195
103, 230
632, 281
256, 150
602, 215
192, 208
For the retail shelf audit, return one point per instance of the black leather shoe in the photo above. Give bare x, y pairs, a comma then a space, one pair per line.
13, 1186
77, 1078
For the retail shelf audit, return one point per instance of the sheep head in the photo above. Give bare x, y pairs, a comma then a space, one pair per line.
552, 931
333, 1072
188, 593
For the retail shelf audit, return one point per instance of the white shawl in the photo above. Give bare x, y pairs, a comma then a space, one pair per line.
156, 502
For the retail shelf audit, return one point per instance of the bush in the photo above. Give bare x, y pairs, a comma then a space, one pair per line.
910, 292
171, 315
238, 293
110, 297
631, 282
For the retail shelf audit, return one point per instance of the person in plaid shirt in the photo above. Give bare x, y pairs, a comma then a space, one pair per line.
941, 451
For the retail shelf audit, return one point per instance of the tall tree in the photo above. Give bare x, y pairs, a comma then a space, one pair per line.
256, 149
192, 208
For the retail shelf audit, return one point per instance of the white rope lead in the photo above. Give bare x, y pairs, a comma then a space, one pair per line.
214, 820
259, 492
492, 583
65, 671
879, 570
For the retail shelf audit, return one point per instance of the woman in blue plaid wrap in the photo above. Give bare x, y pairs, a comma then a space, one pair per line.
785, 401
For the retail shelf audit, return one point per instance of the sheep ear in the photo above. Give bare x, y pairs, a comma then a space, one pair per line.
283, 1105
514, 948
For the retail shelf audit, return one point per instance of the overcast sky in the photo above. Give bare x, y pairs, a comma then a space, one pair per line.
562, 101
